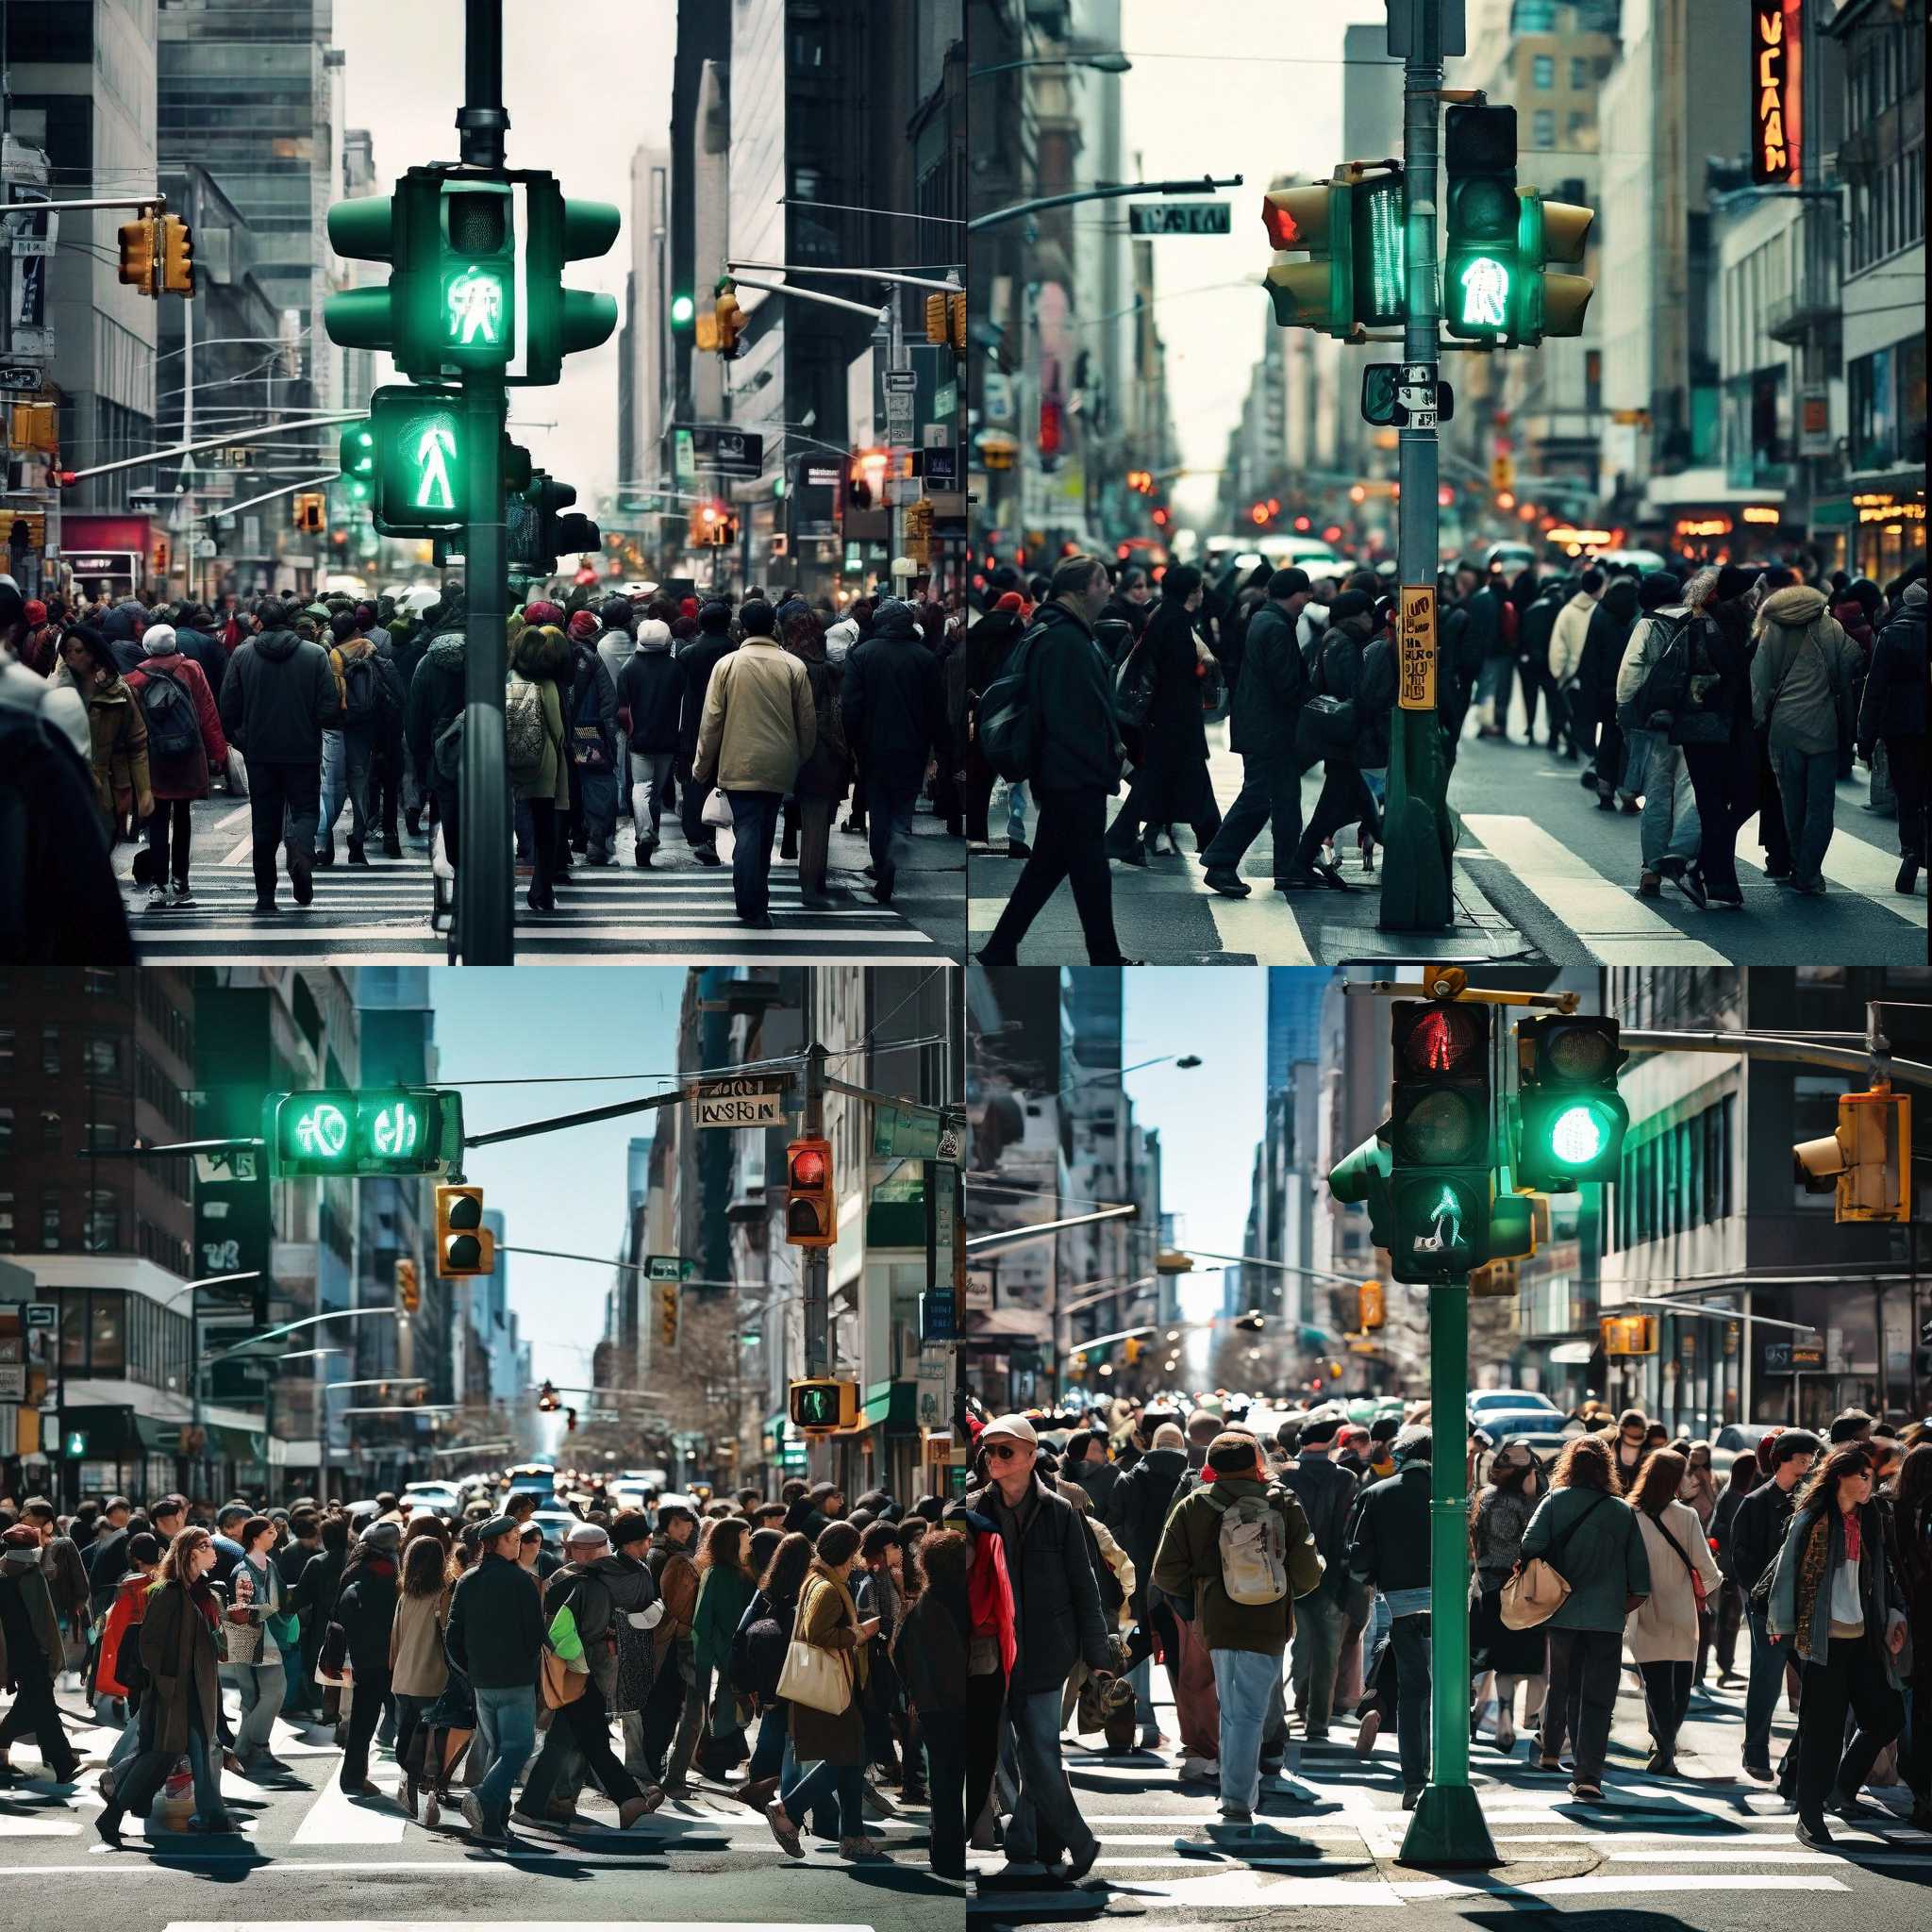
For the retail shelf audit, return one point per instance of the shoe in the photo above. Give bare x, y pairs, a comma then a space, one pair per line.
877, 1803
1662, 1764
220, 1825
365, 1789
597, 855
1810, 889
1907, 879
302, 879
325, 854
1235, 1814
1366, 845
759, 1792
1607, 804
1365, 1736
707, 854
1077, 1869
1127, 854
1761, 1773
392, 845
264, 904
1018, 848
759, 922
1689, 881
179, 898
109, 1825
1302, 879
1200, 1771
157, 899
1814, 1835
357, 856
1856, 1810
677, 1788
784, 1830
1151, 1738
1629, 807
639, 1806
411, 1796
413, 820
1313, 1736
1228, 883
1586, 1793
817, 902
1505, 1738
432, 1810
1650, 884
1411, 1796
868, 1849
882, 888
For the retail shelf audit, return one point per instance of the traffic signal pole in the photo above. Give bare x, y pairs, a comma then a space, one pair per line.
485, 877
1418, 836
816, 1263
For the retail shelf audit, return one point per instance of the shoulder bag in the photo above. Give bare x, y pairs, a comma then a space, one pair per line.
1537, 1589
1696, 1576
813, 1675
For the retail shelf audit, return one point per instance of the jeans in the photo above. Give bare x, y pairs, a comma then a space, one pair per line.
1768, 1661
1045, 1797
1320, 1620
889, 807
1241, 1683
506, 1734
1582, 1695
345, 757
844, 1782
171, 823
276, 794
1850, 1677
1016, 811
595, 792
1806, 785
768, 1751
1492, 691
1270, 794
1408, 1642
1666, 1698
754, 820
648, 771
1669, 827
1068, 845
1142, 1678
262, 1688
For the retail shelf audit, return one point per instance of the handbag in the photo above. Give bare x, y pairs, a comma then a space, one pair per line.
1696, 1576
717, 811
815, 1677
563, 1684
1535, 1591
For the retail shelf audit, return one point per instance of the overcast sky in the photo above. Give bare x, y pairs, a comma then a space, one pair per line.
585, 84
1240, 86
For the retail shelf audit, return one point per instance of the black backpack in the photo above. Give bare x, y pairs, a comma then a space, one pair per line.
1666, 686
448, 749
173, 729
362, 693
1008, 724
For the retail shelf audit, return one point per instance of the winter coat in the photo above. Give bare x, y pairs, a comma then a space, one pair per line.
893, 701
1567, 634
1071, 685
29, 1629
1388, 1533
177, 1652
1894, 701
1173, 783
649, 694
930, 1650
185, 774
605, 1595
589, 710
1057, 1614
828, 1618
1604, 1562
1187, 1566
418, 1667
366, 1609
1536, 627
314, 1599
1136, 1511
545, 662
614, 651
1099, 1480
1799, 1605
118, 732
1495, 1537
1340, 671
696, 661
1804, 664
1607, 633
677, 1578
278, 696
128, 1606
122, 628
199, 648
436, 698
723, 1595
1722, 1517
1758, 1532
758, 725
1327, 1492
829, 770
766, 1626
353, 650
496, 1624
1663, 1627
1272, 688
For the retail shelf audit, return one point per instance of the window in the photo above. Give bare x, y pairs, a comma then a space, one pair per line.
1578, 131
1542, 73
50, 1216
106, 1339
1579, 73
101, 1235
104, 1057
50, 1049
104, 1134
50, 1131
1544, 127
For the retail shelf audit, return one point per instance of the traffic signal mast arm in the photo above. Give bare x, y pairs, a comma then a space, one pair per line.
1013, 214
222, 441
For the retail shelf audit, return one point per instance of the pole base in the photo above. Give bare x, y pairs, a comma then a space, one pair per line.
1447, 1832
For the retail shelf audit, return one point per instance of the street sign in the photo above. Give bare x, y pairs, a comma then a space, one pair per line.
1416, 645
668, 1268
1177, 218
896, 380
19, 378
735, 1103
938, 1314
739, 451
204, 548
1783, 1357
42, 1314
915, 1133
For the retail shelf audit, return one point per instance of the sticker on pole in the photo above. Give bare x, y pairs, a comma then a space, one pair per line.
1416, 645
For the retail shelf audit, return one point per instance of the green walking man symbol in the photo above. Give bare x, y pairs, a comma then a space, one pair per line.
1447, 1216
433, 453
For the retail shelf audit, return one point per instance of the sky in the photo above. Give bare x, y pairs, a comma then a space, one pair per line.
563, 1190
1223, 103
1209, 1116
581, 97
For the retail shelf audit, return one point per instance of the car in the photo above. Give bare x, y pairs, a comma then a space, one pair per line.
1504, 1424
1644, 560
438, 1498
1485, 1399
556, 1525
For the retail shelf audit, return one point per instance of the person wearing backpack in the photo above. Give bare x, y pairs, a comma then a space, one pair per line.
1652, 679
1891, 715
278, 695
184, 746
534, 737
433, 726
348, 748
1239, 1549
650, 695
117, 731
1327, 1492
387, 764
1801, 679
1334, 734
591, 708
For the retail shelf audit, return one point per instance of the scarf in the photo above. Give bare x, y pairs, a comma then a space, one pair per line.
989, 1596
821, 1578
1813, 1561
1852, 1533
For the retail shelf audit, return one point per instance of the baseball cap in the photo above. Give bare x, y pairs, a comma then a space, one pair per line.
1017, 1426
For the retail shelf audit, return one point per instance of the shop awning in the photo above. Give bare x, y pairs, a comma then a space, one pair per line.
894, 1406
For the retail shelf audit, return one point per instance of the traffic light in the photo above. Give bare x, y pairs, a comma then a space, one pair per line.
1360, 1179
1627, 1334
178, 256
141, 255
540, 532
1131, 1350
667, 1304
1867, 1163
1546, 304
682, 309
1482, 218
310, 507
561, 320
397, 1130
938, 322
1172, 1261
823, 1403
811, 1209
548, 1402
355, 452
464, 1247
1369, 1312
719, 330
1352, 230
416, 459
1571, 1120
408, 1289
955, 310
1438, 1140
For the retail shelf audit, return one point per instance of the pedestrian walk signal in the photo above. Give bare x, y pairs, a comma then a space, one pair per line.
464, 1247
823, 1403
1866, 1163
1439, 1138
1479, 250
377, 1131
811, 1209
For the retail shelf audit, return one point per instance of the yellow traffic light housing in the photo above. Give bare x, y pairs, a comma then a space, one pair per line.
719, 330
811, 1206
408, 1289
464, 1247
178, 256
141, 255
667, 1307
1866, 1164
955, 310
1371, 1310
1627, 1334
938, 322
823, 1403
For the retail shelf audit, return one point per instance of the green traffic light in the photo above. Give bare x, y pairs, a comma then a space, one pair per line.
1482, 294
1576, 1136
320, 1131
682, 309
473, 308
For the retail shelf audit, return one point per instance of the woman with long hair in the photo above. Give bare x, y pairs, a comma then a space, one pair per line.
181, 1712
117, 731
1911, 1522
725, 1587
1835, 1595
419, 1668
1662, 1631
930, 1650
1742, 1478
1585, 1532
1496, 1521
763, 1633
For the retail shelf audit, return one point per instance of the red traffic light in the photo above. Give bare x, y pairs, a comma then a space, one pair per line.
1439, 1040
808, 1166
811, 1211
1284, 231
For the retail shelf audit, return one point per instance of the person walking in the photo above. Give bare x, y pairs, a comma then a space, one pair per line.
348, 746
675, 1715
1661, 1633
495, 1636
932, 1652
433, 720
824, 777
1077, 768
1741, 1478
758, 1647
1802, 676
1586, 1533
184, 747
1757, 1533
650, 697
1239, 1551
1497, 1519
180, 1709
697, 658
366, 1609
1569, 634
756, 728
539, 762
830, 1744
589, 692
280, 696
1651, 678
1136, 1512
1891, 715
1835, 1594
118, 1676
1327, 1493
1361, 681
892, 705
256, 1625
418, 1668
1912, 1516
32, 1656
117, 734
725, 1588
1593, 699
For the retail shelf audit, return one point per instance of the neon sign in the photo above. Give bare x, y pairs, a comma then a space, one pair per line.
1775, 69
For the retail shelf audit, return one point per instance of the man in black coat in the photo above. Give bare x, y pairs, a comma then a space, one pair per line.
1340, 674
697, 661
1267, 701
1076, 772
1327, 1493
1535, 620
495, 1636
1757, 1533
1137, 1511
892, 705
435, 703
1389, 1549
1057, 1623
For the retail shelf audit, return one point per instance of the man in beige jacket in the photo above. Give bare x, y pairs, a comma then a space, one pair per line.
757, 728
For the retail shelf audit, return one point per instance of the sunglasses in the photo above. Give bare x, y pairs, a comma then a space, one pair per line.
1003, 1452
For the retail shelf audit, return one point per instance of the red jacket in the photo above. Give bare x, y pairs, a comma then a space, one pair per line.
186, 777
129, 1606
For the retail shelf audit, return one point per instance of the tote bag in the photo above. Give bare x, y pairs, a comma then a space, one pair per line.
1538, 1590
814, 1677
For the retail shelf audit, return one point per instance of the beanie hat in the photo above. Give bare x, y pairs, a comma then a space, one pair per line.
35, 611
543, 611
1009, 600
1731, 582
1288, 583
1319, 1429
653, 634
1913, 594
1657, 590
584, 625
1233, 1453
158, 639
633, 1527
1351, 604
714, 617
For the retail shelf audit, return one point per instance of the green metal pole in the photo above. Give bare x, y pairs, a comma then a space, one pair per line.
1447, 1828
485, 877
